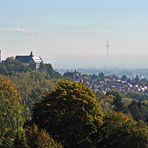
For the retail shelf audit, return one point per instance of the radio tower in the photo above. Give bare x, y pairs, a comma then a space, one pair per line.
107, 47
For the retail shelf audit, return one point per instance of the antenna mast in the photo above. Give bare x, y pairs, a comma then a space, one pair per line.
107, 47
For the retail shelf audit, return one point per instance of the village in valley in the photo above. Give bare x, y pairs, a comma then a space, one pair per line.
103, 83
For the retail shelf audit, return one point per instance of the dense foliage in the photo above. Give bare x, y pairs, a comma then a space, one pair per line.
116, 101
121, 131
137, 96
138, 110
42, 113
32, 86
12, 66
36, 138
11, 120
72, 115
69, 114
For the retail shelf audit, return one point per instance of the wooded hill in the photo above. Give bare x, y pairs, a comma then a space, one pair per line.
37, 110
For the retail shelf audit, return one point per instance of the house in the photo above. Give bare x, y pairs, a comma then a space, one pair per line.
33, 62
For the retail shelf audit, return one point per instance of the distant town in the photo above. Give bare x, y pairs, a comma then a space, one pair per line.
103, 83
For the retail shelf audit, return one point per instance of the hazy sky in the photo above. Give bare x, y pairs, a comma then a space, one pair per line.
73, 33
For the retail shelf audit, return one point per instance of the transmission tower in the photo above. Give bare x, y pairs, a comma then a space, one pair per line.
107, 48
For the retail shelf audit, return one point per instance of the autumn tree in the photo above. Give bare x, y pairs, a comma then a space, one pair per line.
69, 114
11, 120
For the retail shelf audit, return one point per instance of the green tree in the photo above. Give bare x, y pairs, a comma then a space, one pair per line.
39, 138
139, 96
138, 110
11, 120
69, 114
120, 130
68, 75
32, 86
107, 102
117, 99
13, 66
3, 69
51, 74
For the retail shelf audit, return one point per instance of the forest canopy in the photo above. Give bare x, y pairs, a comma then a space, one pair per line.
40, 110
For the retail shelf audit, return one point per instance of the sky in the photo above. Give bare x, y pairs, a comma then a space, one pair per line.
73, 33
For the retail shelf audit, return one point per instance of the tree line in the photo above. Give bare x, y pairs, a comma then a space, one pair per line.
36, 112
39, 109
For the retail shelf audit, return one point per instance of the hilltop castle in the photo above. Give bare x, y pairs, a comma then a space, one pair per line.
30, 60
